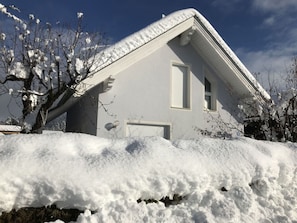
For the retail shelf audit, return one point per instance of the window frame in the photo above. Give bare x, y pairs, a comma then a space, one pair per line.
187, 103
212, 106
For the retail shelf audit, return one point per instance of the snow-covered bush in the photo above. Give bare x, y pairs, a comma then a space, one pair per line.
276, 121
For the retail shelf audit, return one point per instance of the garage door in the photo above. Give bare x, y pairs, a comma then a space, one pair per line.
141, 130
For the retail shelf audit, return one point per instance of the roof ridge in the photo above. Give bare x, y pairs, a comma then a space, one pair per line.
141, 37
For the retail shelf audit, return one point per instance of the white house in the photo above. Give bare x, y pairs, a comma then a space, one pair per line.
175, 78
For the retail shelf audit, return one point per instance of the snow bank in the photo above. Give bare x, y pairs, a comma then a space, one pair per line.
240, 180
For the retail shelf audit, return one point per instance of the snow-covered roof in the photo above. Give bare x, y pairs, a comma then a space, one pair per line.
138, 39
167, 24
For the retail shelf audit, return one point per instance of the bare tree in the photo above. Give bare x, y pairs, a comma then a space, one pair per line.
40, 62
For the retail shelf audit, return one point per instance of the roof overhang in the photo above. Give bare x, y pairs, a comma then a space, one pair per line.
227, 65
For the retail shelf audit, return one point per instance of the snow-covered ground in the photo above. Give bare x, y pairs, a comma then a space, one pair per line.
259, 179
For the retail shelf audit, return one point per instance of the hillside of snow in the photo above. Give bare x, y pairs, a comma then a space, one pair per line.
239, 180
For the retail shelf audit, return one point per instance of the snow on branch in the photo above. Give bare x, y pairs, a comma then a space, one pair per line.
41, 62
3, 9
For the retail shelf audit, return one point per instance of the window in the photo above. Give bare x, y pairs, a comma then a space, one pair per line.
209, 97
180, 90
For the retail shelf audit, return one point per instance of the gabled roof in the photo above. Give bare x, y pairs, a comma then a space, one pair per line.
192, 28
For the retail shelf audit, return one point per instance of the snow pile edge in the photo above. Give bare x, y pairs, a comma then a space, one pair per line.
240, 180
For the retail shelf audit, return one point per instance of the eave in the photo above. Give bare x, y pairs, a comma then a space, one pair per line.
220, 57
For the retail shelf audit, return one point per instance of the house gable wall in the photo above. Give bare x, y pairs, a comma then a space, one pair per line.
141, 94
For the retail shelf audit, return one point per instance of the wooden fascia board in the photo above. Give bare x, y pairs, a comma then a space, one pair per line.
218, 65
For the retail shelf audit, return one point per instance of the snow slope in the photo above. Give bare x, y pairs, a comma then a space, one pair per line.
109, 176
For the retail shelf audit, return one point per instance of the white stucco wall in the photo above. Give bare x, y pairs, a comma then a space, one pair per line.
141, 94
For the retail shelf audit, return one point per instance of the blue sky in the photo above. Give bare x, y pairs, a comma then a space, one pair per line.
263, 33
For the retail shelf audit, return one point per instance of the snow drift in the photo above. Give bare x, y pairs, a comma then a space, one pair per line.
240, 180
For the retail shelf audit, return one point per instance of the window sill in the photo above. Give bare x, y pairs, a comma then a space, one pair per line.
182, 109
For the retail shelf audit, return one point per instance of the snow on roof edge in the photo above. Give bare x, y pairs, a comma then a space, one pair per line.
233, 56
143, 36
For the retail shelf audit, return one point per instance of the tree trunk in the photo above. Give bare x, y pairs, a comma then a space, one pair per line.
40, 121
41, 117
